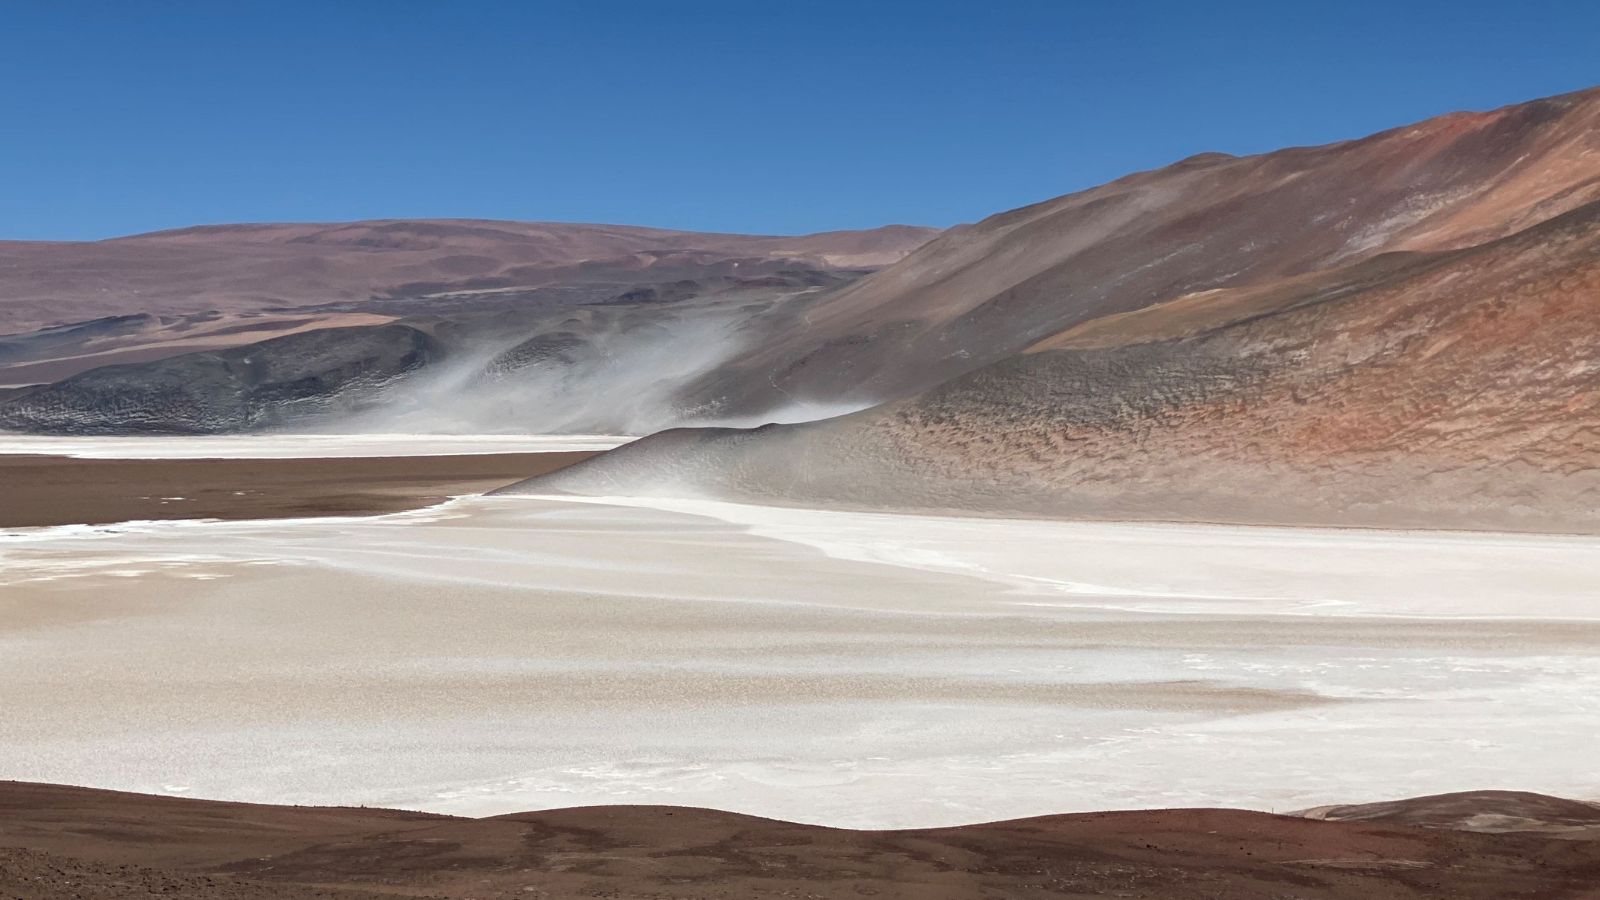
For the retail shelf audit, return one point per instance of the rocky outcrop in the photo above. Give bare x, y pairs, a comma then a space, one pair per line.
257, 386
234, 269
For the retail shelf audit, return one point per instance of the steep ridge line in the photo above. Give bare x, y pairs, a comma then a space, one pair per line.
1434, 386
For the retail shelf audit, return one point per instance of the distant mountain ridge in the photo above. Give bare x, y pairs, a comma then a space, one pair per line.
214, 328
254, 267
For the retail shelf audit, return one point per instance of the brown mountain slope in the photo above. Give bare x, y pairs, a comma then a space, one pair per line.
242, 268
981, 293
60, 842
1168, 253
1455, 389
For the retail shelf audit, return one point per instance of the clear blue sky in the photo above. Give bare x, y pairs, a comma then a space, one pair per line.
770, 117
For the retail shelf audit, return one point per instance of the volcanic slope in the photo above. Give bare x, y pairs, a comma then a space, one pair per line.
1432, 368
981, 293
1490, 812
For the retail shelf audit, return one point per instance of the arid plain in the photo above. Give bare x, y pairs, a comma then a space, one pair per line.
613, 561
499, 654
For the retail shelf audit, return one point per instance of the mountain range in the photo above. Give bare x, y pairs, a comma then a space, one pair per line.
1394, 331
230, 328
1397, 331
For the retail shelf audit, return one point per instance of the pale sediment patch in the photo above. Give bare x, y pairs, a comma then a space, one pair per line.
502, 654
1177, 568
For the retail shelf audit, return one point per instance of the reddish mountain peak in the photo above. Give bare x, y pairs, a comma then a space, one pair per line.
242, 267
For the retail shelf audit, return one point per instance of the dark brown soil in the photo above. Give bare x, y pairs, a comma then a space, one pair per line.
50, 490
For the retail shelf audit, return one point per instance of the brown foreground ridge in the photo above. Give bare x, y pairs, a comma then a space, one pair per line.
54, 490
66, 842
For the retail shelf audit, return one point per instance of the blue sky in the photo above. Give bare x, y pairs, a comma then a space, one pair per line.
773, 117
